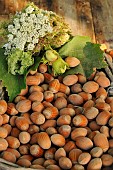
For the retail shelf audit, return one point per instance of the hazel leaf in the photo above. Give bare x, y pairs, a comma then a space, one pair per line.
89, 54
93, 58
13, 83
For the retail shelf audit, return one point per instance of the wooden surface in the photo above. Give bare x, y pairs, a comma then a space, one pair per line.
93, 18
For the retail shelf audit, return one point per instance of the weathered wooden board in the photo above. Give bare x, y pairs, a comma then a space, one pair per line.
102, 12
93, 18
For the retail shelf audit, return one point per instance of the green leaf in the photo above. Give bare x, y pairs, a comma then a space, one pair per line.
74, 48
89, 54
75, 70
13, 83
93, 58
37, 60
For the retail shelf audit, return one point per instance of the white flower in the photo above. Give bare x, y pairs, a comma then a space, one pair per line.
38, 21
34, 30
29, 9
14, 31
31, 28
17, 25
19, 34
19, 43
30, 46
6, 45
24, 15
29, 19
9, 46
35, 40
33, 16
23, 28
10, 27
16, 20
41, 33
50, 29
29, 39
10, 37
40, 16
24, 35
28, 28
20, 46
45, 18
22, 19
15, 41
45, 27
35, 20
31, 34
38, 26
6, 52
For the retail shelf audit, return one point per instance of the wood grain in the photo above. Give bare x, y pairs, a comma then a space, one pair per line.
93, 18
2, 7
102, 12
84, 19
11, 6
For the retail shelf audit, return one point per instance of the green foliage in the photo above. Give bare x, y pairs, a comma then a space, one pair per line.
19, 61
89, 54
74, 48
75, 70
93, 58
13, 83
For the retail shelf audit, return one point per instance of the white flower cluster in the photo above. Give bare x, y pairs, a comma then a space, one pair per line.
26, 29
